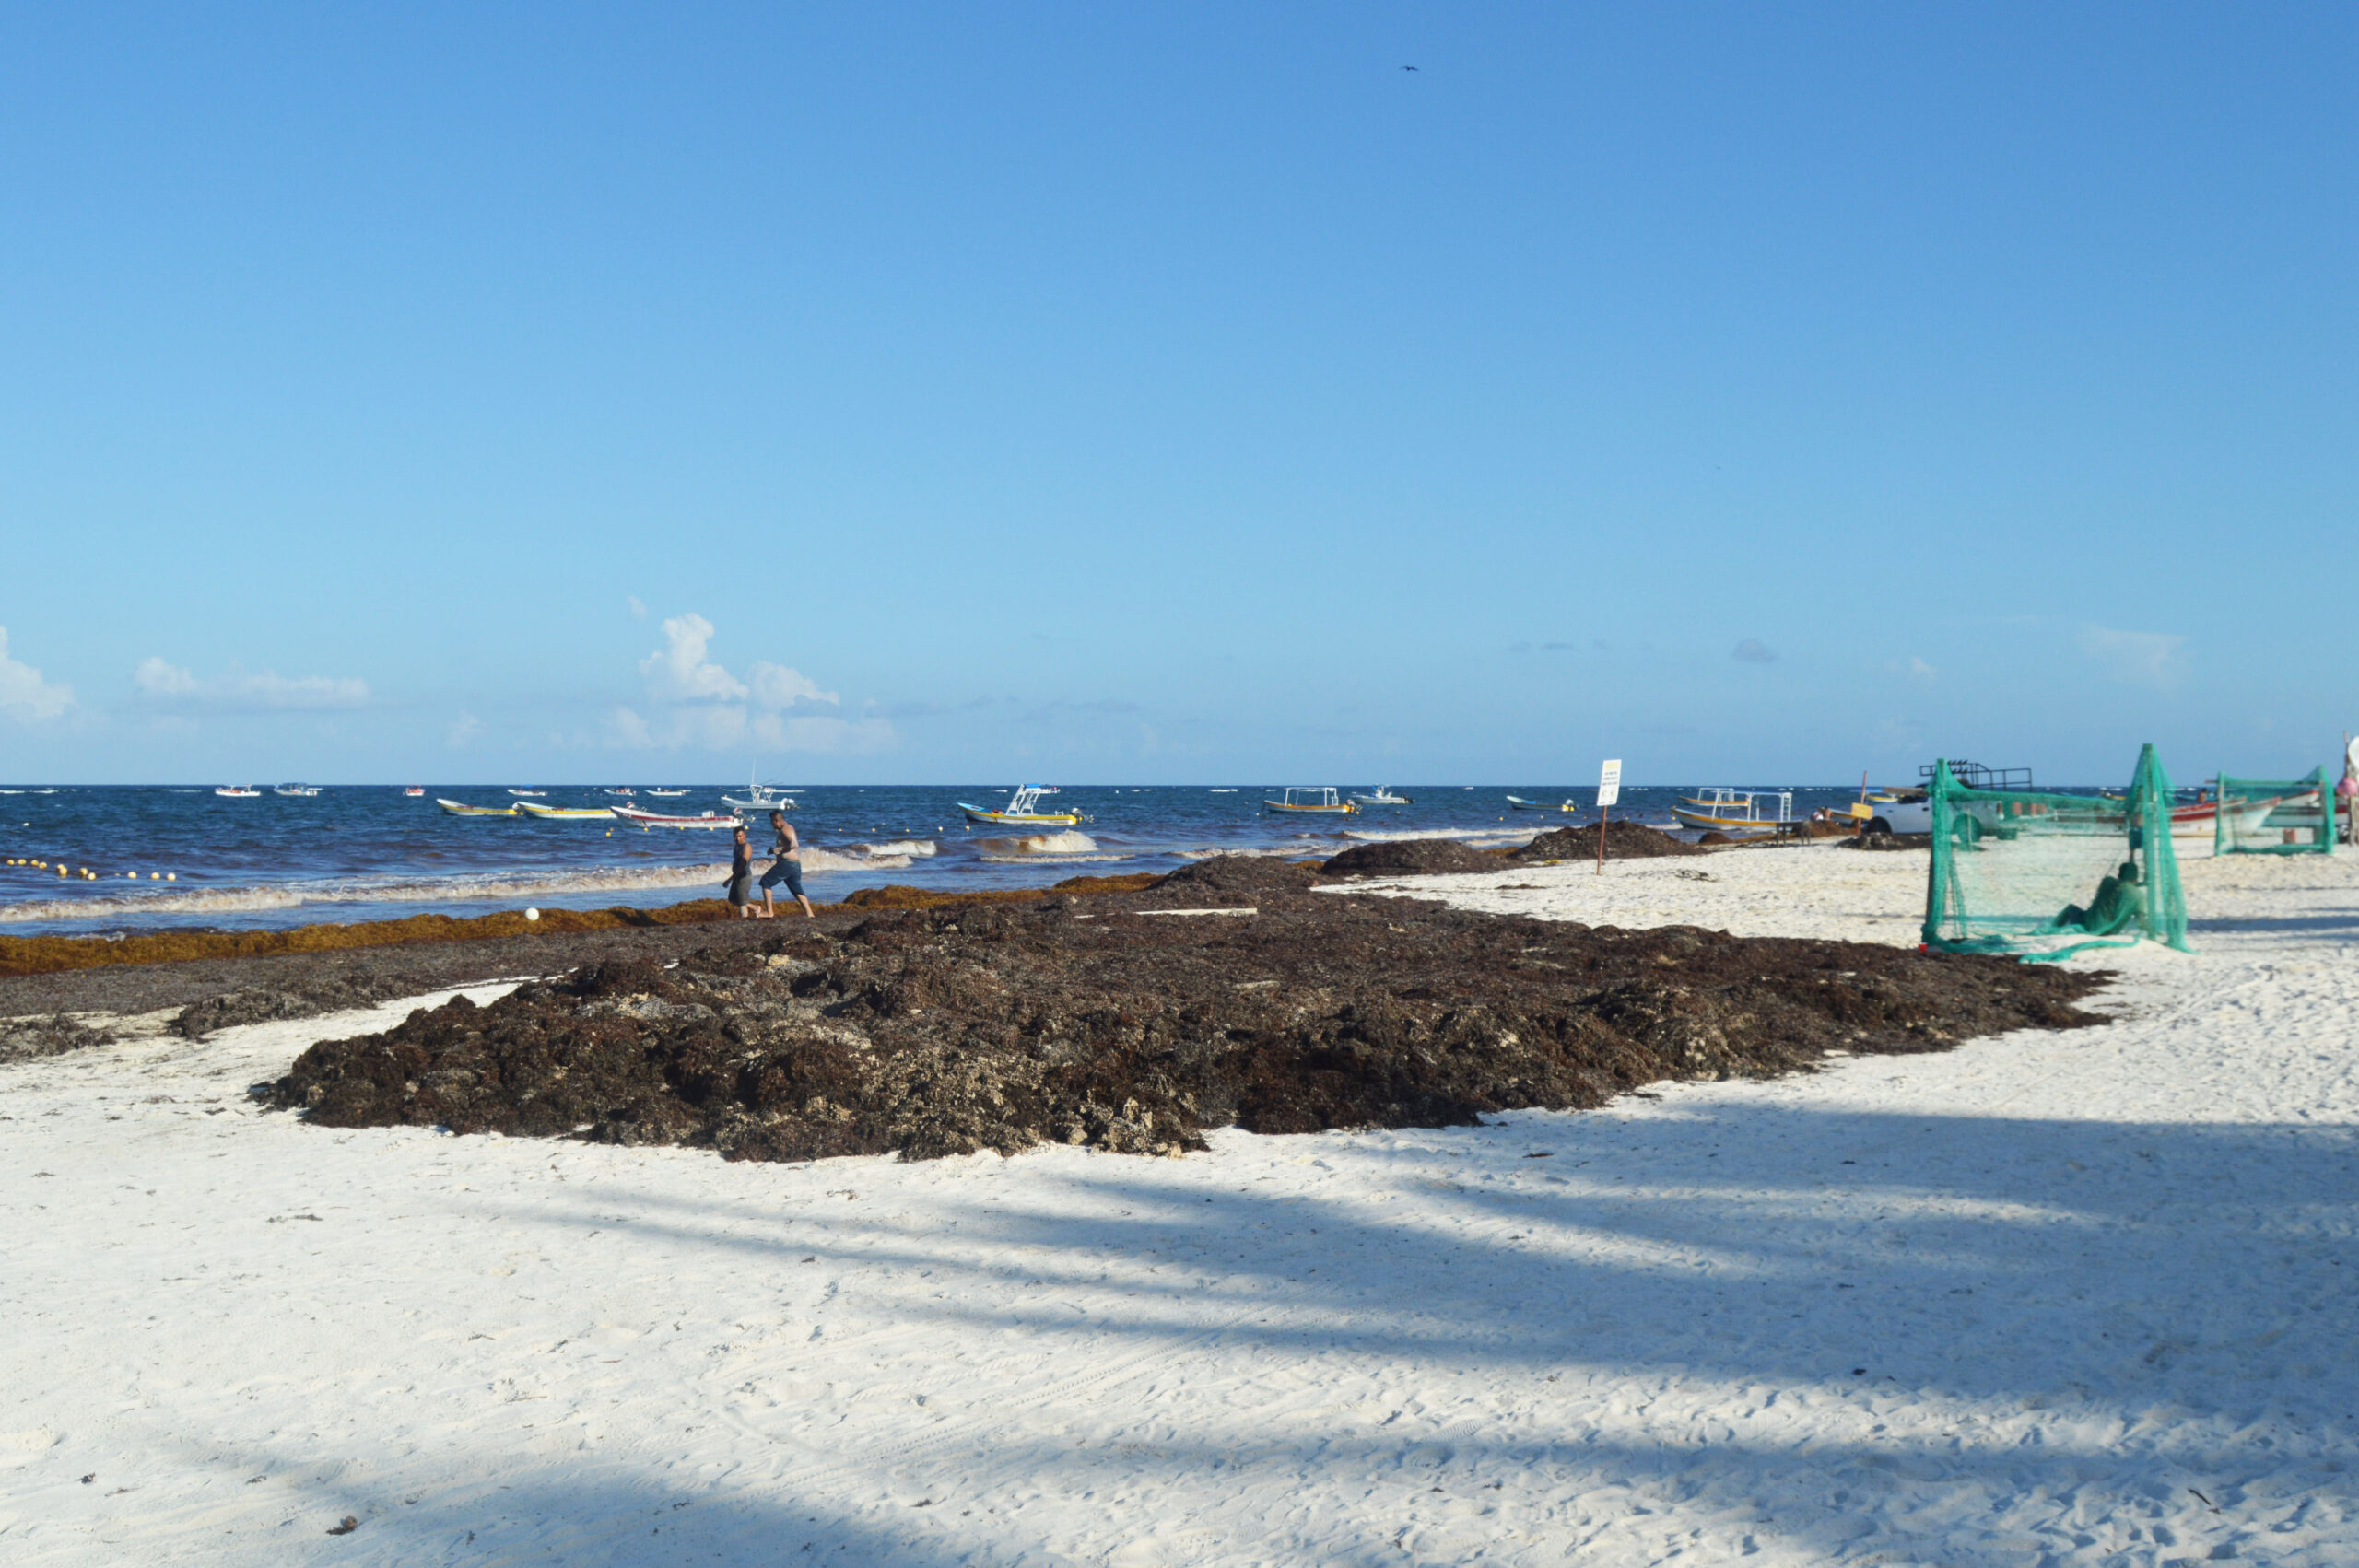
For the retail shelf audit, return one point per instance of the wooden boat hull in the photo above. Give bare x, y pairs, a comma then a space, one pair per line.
2202, 819
566, 813
1347, 809
1723, 824
657, 819
458, 809
1001, 819
1568, 807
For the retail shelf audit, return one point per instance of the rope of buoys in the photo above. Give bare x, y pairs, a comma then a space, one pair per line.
84, 873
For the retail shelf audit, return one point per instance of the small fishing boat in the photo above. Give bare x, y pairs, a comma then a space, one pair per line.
668, 794
528, 794
414, 790
457, 808
238, 792
1523, 805
1384, 797
658, 819
296, 791
624, 791
1020, 812
2202, 819
1724, 810
1320, 798
760, 799
566, 813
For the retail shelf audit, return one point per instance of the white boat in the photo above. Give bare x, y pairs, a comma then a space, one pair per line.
668, 794
2201, 820
1020, 812
566, 813
1384, 797
658, 819
1521, 804
1724, 810
296, 791
238, 792
414, 790
624, 791
458, 808
528, 794
760, 799
1321, 798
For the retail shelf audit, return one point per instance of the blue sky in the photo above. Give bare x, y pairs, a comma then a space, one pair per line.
1174, 393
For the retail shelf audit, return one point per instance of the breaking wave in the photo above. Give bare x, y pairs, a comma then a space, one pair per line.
436, 890
186, 902
1036, 859
1065, 845
1380, 835
908, 849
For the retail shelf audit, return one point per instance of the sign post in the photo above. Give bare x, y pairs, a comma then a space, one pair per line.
1609, 789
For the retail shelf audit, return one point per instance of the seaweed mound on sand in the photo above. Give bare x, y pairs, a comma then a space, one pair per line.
24, 1039
1623, 841
1412, 856
1243, 873
1135, 1022
304, 998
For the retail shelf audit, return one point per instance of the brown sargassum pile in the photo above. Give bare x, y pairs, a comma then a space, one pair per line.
1103, 1022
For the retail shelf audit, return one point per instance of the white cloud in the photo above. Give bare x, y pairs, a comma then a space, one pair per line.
23, 694
679, 672
271, 690
695, 703
1753, 650
464, 728
168, 685
823, 734
1919, 670
638, 610
777, 686
628, 730
159, 679
2136, 659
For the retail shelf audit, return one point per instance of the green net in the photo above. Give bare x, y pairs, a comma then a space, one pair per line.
2275, 816
2043, 874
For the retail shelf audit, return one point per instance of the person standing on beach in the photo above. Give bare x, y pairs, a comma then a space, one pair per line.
787, 867
741, 876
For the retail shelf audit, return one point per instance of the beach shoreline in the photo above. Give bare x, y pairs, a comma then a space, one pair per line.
2074, 1294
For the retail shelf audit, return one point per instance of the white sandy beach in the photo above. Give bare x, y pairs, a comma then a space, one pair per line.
2081, 1297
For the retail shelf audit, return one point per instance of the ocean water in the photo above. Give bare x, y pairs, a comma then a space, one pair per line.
367, 852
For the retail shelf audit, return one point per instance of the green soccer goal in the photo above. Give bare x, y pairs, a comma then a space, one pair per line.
2275, 816
2043, 874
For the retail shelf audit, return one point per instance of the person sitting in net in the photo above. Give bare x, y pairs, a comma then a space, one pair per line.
2120, 900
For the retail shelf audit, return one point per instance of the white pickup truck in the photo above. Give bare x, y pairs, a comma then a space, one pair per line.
1900, 810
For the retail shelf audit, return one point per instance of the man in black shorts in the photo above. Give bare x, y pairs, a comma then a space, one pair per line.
787, 867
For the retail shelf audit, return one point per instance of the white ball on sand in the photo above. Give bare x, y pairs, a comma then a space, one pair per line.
532, 914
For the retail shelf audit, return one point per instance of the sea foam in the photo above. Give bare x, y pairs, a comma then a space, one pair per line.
1064, 844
